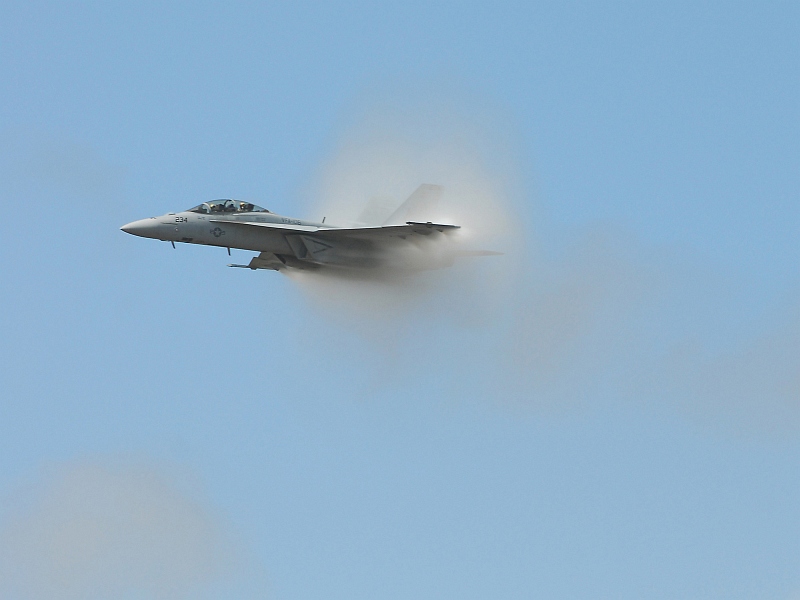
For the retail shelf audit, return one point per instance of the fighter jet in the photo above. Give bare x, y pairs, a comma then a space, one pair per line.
285, 243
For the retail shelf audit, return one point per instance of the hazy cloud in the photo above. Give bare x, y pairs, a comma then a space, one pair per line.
90, 531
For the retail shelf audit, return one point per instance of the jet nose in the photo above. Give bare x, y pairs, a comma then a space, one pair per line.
142, 228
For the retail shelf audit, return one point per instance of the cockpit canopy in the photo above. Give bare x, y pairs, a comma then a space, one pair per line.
227, 206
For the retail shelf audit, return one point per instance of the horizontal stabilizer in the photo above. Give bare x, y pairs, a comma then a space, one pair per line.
478, 253
388, 231
265, 260
429, 225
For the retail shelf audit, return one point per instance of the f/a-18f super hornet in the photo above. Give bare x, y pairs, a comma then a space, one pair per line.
288, 243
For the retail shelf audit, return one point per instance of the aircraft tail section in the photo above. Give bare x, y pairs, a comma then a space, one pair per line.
418, 206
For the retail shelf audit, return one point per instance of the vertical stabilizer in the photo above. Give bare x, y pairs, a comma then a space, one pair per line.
418, 206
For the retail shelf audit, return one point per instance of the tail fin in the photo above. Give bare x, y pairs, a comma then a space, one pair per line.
418, 205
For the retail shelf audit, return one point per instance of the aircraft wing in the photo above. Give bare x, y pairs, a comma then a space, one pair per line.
375, 234
353, 247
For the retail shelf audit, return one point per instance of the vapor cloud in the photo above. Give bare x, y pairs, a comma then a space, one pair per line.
387, 152
536, 327
91, 530
754, 382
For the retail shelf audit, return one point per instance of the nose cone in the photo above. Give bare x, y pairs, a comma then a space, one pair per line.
143, 228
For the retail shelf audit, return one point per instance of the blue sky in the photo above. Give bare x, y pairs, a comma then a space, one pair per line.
614, 417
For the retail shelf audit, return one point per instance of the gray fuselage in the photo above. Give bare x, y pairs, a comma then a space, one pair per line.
219, 229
